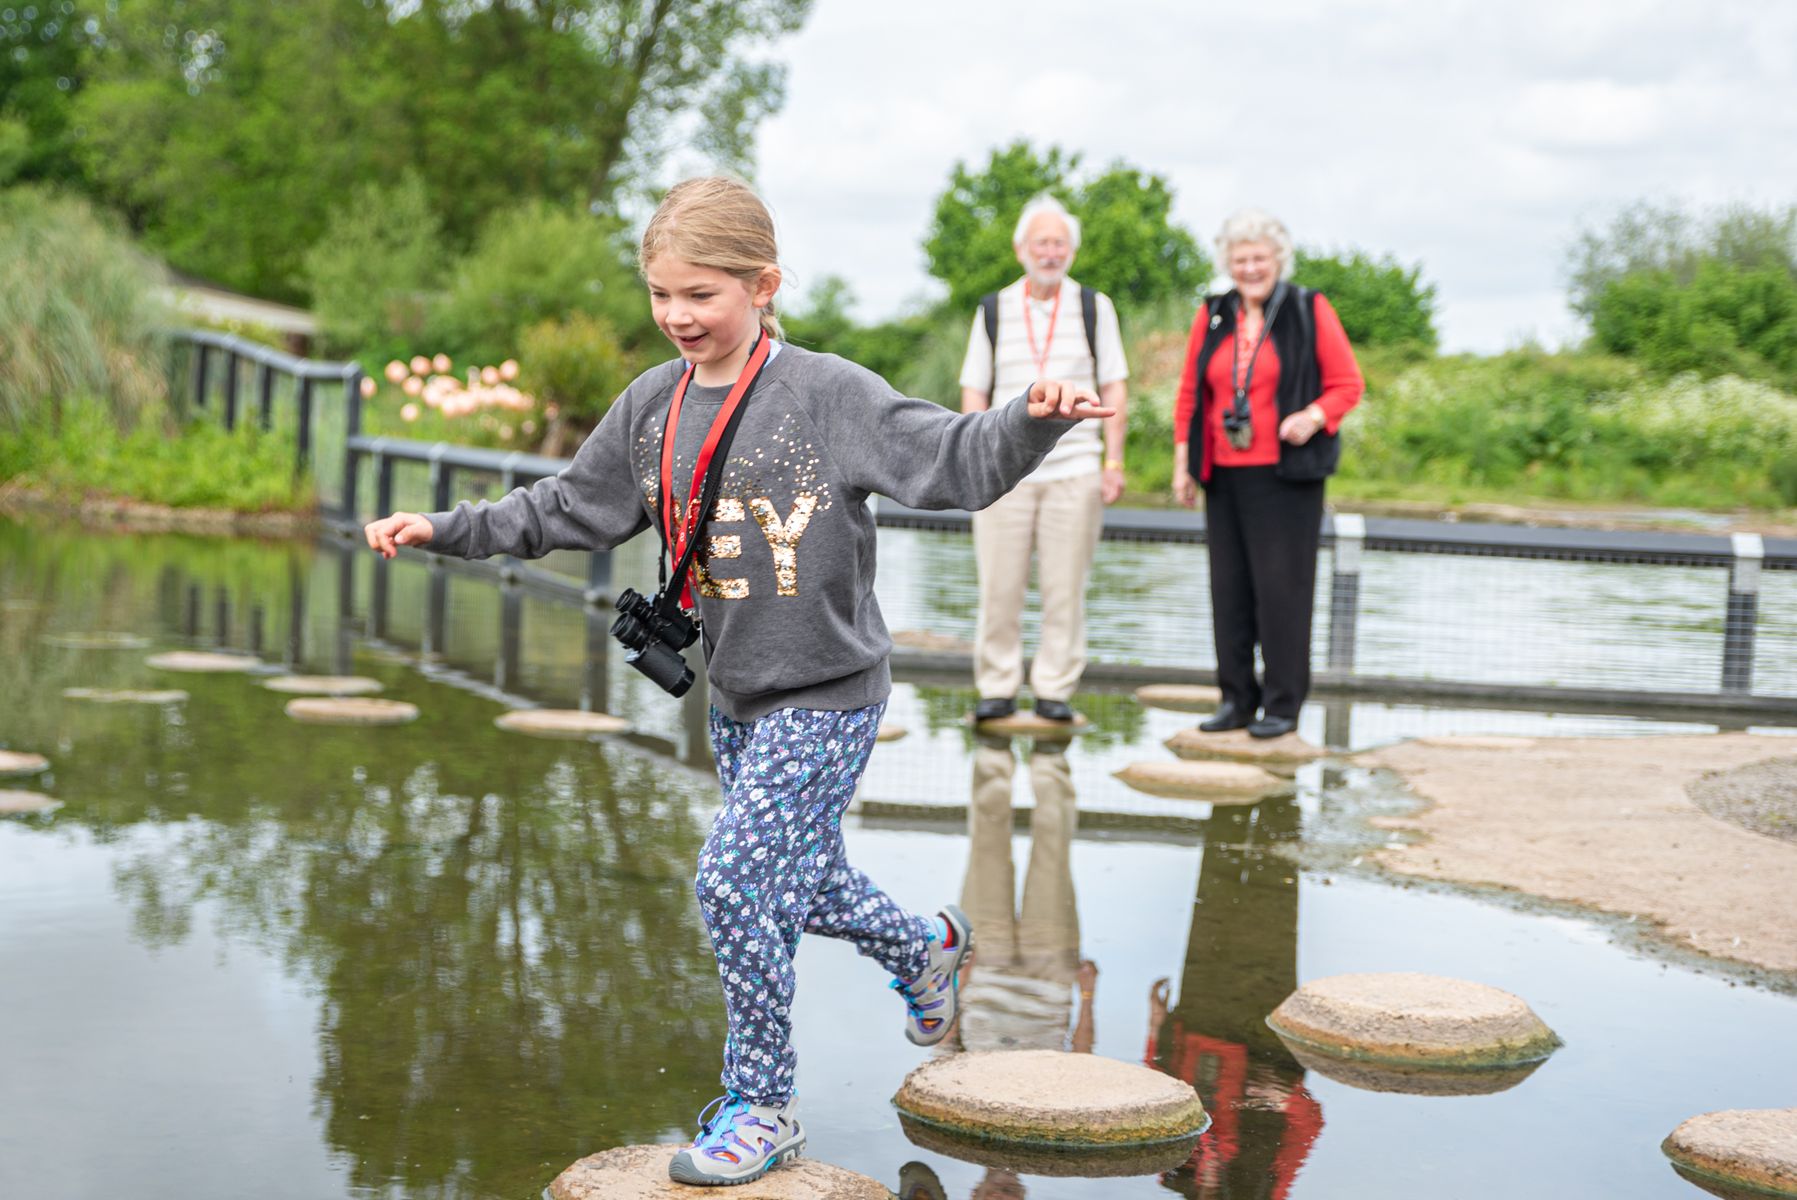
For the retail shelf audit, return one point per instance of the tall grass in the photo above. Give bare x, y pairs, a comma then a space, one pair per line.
78, 312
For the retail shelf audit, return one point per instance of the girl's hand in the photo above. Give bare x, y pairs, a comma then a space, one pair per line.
1053, 398
386, 535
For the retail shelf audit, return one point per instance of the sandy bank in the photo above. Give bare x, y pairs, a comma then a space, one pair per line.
1608, 823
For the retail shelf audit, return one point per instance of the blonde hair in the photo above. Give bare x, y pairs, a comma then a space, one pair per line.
1255, 225
719, 223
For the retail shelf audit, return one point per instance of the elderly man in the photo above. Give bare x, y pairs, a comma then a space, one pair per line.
1044, 326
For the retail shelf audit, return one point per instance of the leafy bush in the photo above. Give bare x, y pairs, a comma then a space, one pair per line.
1380, 301
372, 272
78, 315
576, 365
535, 263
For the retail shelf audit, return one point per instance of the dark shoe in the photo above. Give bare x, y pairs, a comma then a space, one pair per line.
993, 708
1227, 716
1272, 727
1054, 710
919, 1182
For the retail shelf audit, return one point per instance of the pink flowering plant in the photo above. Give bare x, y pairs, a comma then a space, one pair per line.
425, 399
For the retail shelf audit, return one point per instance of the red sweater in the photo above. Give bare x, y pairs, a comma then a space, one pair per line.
1340, 374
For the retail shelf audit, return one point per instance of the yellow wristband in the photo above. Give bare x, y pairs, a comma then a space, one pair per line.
1113, 464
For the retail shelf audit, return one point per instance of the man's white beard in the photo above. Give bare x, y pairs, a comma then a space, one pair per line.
1047, 279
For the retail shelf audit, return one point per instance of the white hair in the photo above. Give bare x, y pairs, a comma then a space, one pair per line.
1256, 225
1045, 203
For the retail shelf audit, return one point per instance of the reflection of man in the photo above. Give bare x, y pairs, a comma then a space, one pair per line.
1018, 994
1241, 961
1044, 326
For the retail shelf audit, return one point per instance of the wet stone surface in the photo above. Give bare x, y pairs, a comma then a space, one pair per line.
125, 695
1236, 745
1403, 1017
204, 662
1179, 697
14, 803
1218, 782
1739, 1152
561, 723
323, 685
641, 1173
351, 710
17, 763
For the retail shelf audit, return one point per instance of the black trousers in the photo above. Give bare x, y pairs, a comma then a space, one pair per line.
1263, 534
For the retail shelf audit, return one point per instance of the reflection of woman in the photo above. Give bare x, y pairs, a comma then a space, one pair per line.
1269, 375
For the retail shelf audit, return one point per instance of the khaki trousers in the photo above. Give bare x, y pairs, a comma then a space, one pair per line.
1060, 522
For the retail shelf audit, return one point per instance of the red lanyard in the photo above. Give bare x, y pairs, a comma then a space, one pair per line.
1029, 328
680, 529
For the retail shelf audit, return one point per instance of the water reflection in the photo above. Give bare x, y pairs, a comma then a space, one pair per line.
1241, 961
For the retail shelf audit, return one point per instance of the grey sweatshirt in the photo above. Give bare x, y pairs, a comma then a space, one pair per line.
785, 568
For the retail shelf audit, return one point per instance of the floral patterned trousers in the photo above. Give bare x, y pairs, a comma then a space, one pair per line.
774, 867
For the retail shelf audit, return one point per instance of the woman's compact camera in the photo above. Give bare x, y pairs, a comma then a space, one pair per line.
655, 635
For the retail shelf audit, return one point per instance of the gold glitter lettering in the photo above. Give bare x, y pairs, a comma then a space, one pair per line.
783, 537
726, 545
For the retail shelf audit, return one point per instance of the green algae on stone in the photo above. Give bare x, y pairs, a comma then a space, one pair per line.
1059, 1159
1049, 1098
1409, 1019
1030, 725
1738, 1153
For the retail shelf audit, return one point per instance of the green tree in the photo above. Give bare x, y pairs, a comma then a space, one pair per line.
1679, 293
1130, 249
44, 48
230, 129
1380, 301
370, 275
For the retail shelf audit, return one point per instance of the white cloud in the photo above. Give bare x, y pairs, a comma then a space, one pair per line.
1474, 139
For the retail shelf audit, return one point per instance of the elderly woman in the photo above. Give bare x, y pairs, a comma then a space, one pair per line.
1269, 376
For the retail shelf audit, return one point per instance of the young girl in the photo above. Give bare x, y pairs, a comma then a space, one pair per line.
795, 646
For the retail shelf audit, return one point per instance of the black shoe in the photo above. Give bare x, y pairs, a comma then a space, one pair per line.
1272, 727
994, 708
918, 1182
1227, 716
1054, 710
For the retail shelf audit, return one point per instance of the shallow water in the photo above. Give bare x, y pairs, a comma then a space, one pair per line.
441, 960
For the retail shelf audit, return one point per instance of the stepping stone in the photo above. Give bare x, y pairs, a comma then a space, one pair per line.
560, 723
203, 662
351, 710
641, 1173
1028, 723
1471, 742
1180, 697
125, 695
15, 763
19, 803
1234, 745
323, 685
890, 733
96, 641
1051, 1099
1218, 782
1053, 1160
1740, 1153
1412, 1021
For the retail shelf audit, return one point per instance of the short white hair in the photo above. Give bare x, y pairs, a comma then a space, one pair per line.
1045, 203
1256, 225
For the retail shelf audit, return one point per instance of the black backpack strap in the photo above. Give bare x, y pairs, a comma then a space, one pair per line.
1088, 316
989, 309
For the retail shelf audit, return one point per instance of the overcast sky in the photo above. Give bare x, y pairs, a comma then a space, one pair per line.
1474, 138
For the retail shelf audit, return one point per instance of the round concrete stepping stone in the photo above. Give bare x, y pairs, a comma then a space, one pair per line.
203, 662
641, 1173
560, 723
15, 763
1180, 697
1235, 745
1739, 1153
1218, 782
323, 685
351, 710
103, 640
890, 733
125, 695
1412, 1020
1048, 1098
19, 803
1028, 723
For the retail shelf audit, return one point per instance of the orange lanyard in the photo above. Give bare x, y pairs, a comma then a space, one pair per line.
1029, 328
681, 526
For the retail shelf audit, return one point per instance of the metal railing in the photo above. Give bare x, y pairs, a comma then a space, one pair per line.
1347, 538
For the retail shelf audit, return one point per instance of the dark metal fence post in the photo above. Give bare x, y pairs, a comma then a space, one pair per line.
506, 670
265, 396
1743, 611
383, 504
231, 372
440, 476
599, 585
1344, 590
305, 426
352, 428
201, 354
